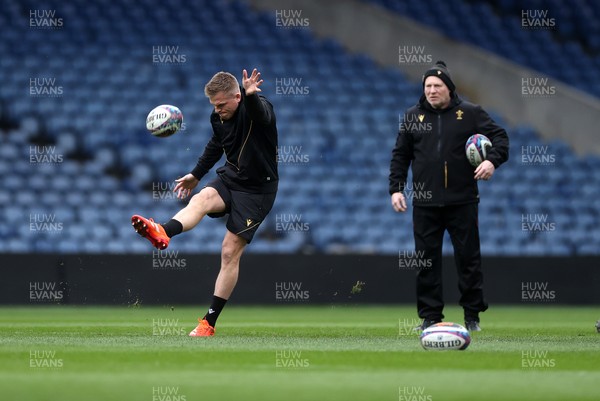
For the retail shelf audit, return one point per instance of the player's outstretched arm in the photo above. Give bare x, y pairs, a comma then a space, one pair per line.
251, 84
258, 108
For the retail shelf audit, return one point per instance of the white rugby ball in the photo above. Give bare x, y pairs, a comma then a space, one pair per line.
164, 120
476, 149
445, 336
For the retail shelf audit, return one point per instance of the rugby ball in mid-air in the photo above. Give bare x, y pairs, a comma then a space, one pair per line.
445, 336
164, 120
476, 149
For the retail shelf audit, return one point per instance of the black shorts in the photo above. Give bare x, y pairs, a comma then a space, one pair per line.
246, 210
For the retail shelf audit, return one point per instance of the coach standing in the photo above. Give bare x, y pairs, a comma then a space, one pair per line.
444, 189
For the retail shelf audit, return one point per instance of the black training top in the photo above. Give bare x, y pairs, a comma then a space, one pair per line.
434, 142
249, 141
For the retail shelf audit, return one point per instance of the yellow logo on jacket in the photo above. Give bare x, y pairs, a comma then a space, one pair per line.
459, 114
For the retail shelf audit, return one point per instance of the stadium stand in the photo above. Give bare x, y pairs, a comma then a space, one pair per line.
543, 35
75, 154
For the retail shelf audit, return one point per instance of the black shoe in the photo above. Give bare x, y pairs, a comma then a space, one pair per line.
426, 323
472, 325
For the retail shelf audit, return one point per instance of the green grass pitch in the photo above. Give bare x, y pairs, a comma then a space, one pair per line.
293, 352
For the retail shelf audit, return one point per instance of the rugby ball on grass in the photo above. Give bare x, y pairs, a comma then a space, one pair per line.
164, 120
445, 336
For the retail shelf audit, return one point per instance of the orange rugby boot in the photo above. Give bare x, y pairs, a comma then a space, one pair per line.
203, 329
147, 228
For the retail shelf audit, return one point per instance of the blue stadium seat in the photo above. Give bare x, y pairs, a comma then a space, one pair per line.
503, 33
110, 160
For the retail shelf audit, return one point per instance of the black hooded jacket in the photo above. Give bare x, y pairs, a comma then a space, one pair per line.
434, 142
249, 141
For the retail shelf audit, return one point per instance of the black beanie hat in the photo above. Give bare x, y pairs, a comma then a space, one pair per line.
439, 70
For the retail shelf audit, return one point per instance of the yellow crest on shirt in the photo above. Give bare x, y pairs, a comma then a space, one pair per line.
459, 114
248, 222
421, 117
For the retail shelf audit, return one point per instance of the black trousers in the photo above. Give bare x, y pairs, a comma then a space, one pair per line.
462, 224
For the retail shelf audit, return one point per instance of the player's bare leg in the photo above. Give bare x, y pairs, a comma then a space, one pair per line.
204, 202
231, 253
